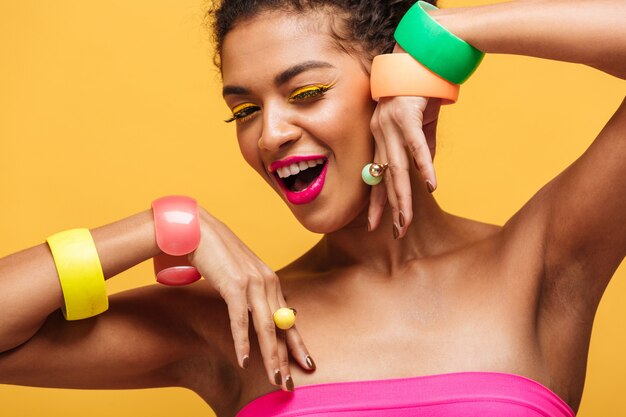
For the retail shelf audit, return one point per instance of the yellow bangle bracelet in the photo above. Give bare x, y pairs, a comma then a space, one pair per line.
80, 273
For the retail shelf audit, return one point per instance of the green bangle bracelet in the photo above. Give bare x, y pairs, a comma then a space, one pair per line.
434, 46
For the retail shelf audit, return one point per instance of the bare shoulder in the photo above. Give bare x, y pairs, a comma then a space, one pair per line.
557, 296
548, 305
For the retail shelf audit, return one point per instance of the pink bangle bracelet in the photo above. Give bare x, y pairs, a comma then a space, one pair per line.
177, 230
174, 270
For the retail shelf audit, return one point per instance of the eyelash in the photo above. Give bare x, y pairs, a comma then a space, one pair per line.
308, 92
245, 113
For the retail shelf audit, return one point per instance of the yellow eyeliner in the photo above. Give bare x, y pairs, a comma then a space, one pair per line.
309, 91
241, 107
238, 110
244, 111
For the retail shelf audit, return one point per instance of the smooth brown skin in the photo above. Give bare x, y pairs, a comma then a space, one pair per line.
450, 295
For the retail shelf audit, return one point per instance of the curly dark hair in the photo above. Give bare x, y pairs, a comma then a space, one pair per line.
366, 26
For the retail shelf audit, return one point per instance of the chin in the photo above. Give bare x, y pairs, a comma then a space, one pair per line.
332, 214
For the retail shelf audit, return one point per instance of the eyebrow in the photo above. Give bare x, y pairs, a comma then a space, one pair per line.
233, 90
291, 72
281, 78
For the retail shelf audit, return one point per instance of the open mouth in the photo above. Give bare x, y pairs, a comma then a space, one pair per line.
299, 176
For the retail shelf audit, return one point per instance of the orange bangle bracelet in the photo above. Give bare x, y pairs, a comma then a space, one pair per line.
400, 74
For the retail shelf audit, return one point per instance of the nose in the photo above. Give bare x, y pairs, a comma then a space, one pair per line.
278, 129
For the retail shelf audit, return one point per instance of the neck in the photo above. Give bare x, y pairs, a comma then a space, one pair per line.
429, 234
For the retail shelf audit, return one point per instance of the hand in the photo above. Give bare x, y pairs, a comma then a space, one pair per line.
398, 122
247, 284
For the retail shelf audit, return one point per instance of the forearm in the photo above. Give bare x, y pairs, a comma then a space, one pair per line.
29, 285
590, 33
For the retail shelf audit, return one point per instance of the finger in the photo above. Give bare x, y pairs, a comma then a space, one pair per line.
378, 195
393, 201
238, 313
413, 133
424, 161
381, 146
283, 358
295, 343
390, 194
265, 330
398, 168
378, 200
272, 287
299, 351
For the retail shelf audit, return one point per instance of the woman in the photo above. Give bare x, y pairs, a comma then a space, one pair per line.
518, 299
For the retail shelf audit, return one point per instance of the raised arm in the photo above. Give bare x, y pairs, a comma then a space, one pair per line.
582, 211
571, 235
590, 33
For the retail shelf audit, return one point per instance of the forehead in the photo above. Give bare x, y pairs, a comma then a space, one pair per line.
272, 41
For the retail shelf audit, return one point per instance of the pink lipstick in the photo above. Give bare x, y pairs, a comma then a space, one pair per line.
301, 178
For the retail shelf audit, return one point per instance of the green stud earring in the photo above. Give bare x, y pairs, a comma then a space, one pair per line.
372, 174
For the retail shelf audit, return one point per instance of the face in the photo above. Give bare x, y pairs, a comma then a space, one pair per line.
302, 108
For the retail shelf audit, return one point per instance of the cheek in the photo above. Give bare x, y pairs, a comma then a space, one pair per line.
347, 121
352, 143
248, 146
356, 142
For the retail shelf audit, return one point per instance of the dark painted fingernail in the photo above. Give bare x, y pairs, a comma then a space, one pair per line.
401, 219
278, 378
430, 186
289, 383
309, 362
396, 233
245, 362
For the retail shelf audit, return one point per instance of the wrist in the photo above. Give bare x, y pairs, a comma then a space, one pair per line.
455, 21
400, 74
204, 218
435, 46
80, 273
133, 237
177, 234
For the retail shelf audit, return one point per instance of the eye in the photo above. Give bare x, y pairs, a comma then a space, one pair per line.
243, 112
309, 91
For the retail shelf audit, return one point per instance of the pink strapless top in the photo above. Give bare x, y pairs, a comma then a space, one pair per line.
467, 394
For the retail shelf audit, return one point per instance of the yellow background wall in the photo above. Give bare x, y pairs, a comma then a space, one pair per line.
106, 105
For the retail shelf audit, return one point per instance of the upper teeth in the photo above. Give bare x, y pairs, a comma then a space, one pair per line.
295, 168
